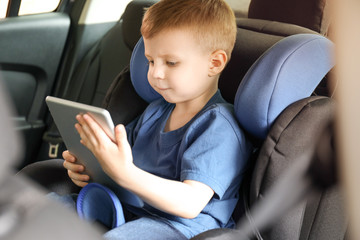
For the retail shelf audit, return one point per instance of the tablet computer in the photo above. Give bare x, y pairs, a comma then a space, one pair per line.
64, 112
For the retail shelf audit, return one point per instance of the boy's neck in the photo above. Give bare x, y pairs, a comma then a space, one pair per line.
185, 111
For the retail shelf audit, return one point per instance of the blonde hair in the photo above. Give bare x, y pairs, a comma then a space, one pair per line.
211, 21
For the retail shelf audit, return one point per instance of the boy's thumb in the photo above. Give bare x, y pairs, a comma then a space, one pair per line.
120, 133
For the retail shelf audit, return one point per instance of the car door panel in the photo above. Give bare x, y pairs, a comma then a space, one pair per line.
31, 48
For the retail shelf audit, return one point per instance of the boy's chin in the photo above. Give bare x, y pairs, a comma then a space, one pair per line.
168, 99
166, 96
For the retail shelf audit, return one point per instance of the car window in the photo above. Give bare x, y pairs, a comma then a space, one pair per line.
37, 6
240, 7
3, 7
30, 6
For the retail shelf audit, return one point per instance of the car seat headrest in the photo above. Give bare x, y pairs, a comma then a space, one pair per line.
287, 72
138, 73
132, 19
254, 37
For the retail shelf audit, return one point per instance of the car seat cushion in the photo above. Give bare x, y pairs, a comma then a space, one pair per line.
287, 72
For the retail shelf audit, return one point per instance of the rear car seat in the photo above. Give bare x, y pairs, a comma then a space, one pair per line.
104, 61
311, 14
94, 74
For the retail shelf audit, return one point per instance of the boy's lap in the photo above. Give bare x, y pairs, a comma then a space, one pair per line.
145, 228
141, 228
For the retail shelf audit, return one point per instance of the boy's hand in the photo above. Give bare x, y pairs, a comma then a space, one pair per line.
114, 157
75, 170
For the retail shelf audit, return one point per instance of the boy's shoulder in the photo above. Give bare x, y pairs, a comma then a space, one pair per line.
221, 112
218, 106
217, 123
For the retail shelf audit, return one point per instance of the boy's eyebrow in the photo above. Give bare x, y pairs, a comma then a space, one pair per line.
163, 56
170, 56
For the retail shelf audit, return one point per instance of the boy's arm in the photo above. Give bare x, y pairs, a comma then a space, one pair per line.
184, 199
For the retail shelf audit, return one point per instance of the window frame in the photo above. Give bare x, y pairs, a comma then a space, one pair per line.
13, 8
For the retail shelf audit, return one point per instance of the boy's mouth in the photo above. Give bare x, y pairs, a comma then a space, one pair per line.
162, 88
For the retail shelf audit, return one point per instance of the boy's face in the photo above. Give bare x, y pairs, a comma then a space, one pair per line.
179, 67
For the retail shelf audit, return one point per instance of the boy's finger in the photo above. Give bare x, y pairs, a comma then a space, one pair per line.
68, 156
120, 133
73, 167
93, 130
80, 119
78, 177
79, 183
86, 135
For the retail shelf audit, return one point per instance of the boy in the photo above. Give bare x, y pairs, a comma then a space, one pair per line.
185, 155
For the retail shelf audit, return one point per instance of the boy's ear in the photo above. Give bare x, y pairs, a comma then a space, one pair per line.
218, 61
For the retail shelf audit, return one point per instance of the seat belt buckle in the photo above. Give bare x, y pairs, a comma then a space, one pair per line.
54, 140
53, 150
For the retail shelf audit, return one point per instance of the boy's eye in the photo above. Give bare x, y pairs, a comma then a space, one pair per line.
151, 62
170, 63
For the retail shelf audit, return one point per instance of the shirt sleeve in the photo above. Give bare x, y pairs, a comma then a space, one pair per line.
216, 152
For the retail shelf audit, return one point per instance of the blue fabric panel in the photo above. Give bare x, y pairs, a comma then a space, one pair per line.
287, 72
98, 203
138, 72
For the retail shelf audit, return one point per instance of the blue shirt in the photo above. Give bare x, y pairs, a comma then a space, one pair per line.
210, 148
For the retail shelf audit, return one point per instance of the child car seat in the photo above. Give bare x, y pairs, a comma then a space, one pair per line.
275, 77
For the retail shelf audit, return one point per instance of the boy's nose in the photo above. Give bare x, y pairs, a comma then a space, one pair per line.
158, 72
